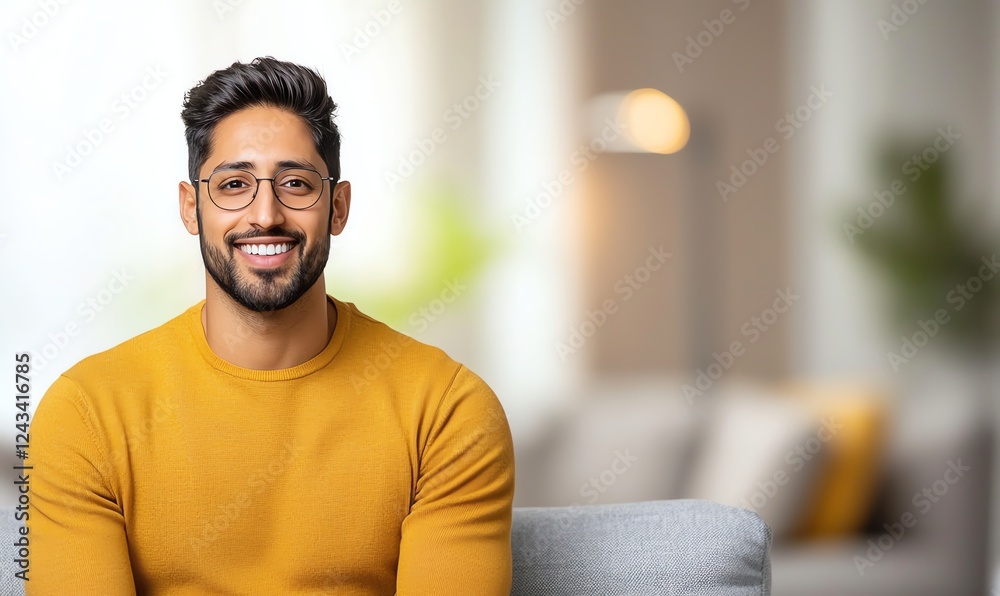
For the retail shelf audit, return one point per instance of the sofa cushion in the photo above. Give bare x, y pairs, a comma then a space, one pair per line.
845, 492
754, 455
681, 546
647, 419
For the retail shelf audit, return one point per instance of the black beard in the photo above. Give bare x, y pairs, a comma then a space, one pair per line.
267, 294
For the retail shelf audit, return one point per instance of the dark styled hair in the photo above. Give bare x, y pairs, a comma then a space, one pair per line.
263, 82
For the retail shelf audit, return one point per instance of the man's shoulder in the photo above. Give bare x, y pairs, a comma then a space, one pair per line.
382, 348
147, 350
370, 331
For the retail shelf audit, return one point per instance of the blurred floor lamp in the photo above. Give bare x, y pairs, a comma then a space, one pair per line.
656, 123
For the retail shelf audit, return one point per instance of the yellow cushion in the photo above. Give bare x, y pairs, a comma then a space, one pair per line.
856, 426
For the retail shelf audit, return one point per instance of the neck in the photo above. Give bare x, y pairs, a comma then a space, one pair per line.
268, 340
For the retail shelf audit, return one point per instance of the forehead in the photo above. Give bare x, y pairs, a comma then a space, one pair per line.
262, 135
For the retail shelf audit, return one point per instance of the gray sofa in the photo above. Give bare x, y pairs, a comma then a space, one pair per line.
931, 423
675, 547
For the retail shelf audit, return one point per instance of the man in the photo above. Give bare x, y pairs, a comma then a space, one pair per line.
271, 439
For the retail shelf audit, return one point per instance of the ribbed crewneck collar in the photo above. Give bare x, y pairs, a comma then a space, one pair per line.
317, 362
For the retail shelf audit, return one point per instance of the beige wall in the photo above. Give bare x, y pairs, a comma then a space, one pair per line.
728, 258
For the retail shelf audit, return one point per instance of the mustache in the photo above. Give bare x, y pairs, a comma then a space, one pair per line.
235, 237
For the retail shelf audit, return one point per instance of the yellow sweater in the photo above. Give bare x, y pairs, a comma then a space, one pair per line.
379, 466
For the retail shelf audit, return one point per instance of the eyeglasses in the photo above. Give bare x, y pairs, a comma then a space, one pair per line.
295, 188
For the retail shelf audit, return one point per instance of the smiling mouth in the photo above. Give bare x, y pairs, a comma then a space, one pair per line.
267, 255
276, 248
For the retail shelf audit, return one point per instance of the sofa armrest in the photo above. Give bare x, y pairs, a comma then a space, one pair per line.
683, 546
10, 584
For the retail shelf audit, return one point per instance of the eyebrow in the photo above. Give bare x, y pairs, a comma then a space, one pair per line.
249, 165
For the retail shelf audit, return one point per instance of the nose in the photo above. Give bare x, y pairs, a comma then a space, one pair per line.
265, 210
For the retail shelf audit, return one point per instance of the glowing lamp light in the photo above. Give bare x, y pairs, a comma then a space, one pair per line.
655, 122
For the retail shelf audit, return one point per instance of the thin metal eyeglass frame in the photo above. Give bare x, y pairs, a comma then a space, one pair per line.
274, 190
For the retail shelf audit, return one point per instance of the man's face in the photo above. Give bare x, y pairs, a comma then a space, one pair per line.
263, 140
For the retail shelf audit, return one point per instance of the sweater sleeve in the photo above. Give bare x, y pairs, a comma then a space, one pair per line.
456, 537
75, 524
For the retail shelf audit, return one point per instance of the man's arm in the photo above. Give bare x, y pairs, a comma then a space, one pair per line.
75, 525
456, 538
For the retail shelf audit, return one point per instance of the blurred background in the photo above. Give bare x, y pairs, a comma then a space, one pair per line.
740, 250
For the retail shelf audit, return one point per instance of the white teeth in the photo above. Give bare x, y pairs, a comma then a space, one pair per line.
265, 249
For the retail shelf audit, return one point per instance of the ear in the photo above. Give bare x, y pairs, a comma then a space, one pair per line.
341, 207
188, 207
